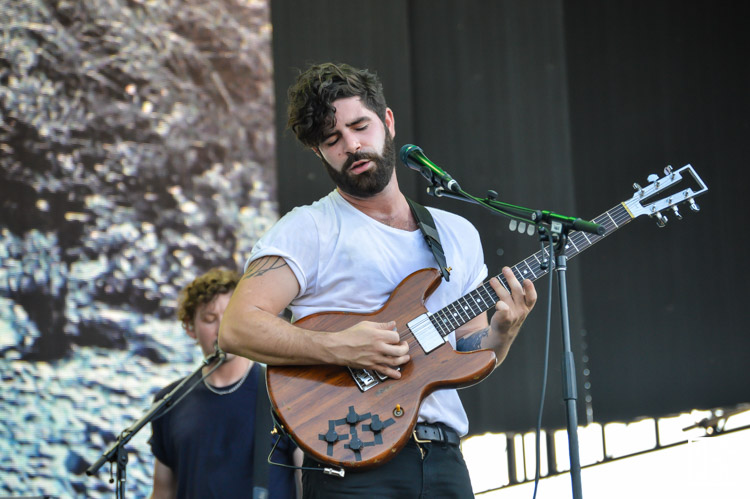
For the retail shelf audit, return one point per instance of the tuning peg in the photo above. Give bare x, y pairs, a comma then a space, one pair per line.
693, 205
653, 178
638, 188
677, 213
661, 220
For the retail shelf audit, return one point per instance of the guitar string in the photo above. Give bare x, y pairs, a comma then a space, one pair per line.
612, 220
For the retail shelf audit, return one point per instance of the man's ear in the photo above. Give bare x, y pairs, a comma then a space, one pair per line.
390, 122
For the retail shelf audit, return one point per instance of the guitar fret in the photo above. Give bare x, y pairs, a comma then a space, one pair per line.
456, 315
502, 280
467, 307
582, 241
613, 220
456, 312
517, 273
447, 323
528, 267
487, 304
438, 321
573, 243
491, 295
476, 308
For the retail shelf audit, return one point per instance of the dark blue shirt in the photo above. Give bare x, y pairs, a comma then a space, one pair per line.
207, 440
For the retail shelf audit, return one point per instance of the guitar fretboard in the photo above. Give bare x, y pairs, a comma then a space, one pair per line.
461, 311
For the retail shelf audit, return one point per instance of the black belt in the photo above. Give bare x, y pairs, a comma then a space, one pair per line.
425, 432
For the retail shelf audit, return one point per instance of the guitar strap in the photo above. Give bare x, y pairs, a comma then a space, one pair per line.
426, 224
263, 427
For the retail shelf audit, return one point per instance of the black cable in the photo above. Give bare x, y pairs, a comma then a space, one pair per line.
546, 363
327, 471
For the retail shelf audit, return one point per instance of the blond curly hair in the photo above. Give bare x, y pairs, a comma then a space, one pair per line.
202, 290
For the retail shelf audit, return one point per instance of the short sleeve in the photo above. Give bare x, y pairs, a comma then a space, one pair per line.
295, 239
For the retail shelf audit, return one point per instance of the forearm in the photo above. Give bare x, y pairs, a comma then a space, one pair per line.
266, 338
485, 338
269, 339
165, 482
251, 327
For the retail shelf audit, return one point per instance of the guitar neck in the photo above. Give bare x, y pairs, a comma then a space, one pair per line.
461, 311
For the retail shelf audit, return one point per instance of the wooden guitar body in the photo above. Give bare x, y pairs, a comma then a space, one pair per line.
334, 421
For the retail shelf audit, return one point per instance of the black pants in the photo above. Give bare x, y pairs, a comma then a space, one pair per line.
442, 473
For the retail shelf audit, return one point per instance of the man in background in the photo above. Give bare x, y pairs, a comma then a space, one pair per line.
204, 445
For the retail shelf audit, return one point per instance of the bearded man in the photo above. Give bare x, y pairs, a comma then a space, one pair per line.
346, 252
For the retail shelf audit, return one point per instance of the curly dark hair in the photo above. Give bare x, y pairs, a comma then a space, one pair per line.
202, 290
311, 112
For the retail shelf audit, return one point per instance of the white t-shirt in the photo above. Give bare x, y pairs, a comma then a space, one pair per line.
347, 261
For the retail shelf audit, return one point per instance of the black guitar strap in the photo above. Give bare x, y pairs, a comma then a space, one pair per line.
263, 427
426, 224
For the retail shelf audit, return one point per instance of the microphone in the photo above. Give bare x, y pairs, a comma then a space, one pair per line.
413, 157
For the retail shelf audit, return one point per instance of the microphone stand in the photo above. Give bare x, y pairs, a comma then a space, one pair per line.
116, 453
555, 228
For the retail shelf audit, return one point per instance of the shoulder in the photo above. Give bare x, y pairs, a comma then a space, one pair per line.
302, 222
319, 210
164, 391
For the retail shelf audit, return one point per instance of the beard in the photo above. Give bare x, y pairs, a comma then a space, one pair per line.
370, 182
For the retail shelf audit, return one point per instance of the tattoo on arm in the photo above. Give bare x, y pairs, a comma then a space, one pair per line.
473, 341
264, 265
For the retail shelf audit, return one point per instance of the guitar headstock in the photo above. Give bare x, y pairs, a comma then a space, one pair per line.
645, 201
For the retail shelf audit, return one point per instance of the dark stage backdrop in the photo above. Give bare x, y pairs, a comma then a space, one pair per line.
655, 84
562, 106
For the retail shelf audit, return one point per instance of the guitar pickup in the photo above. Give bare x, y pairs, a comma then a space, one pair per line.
364, 378
424, 331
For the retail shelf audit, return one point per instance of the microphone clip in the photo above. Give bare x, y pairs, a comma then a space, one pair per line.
435, 190
218, 353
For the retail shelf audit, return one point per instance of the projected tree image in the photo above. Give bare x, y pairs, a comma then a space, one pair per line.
136, 151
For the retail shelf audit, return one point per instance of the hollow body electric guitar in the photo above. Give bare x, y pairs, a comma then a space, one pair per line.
357, 418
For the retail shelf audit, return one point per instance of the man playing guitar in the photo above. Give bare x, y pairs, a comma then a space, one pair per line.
345, 254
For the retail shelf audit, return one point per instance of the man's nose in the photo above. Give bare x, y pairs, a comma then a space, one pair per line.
351, 143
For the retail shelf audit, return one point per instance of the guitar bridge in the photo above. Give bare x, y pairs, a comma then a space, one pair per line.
364, 378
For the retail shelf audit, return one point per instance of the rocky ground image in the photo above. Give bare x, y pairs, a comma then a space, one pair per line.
136, 151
